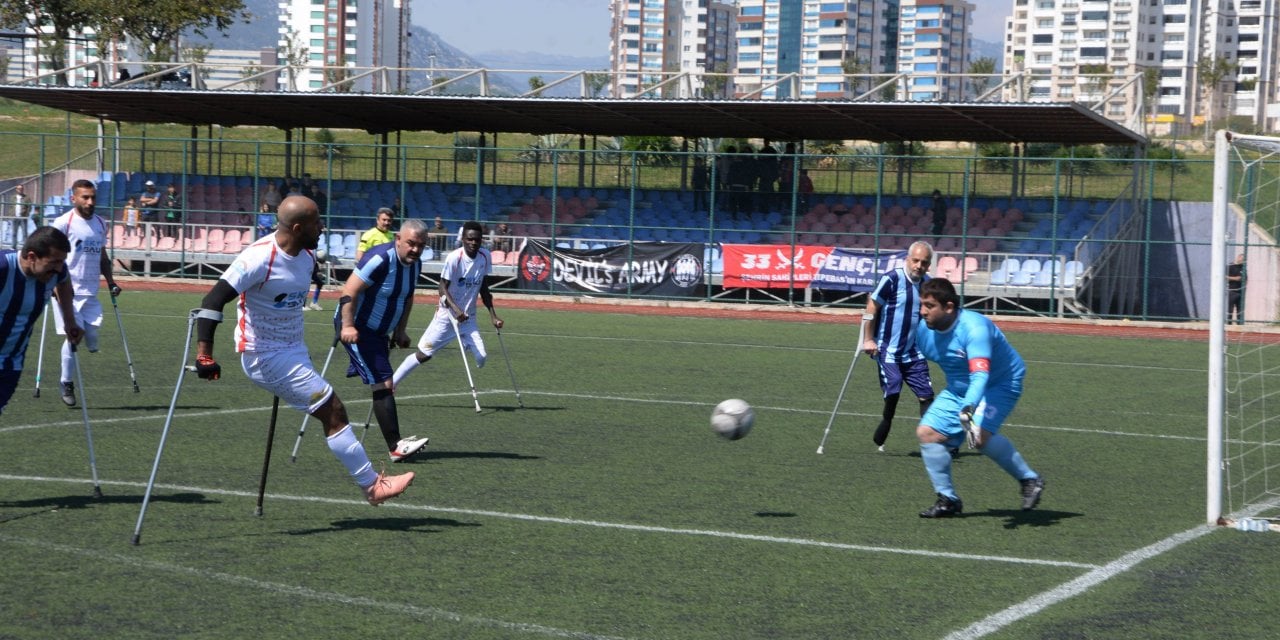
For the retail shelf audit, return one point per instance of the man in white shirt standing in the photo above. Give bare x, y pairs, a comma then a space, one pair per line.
271, 278
21, 215
88, 264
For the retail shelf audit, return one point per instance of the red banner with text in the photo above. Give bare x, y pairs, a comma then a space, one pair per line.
777, 266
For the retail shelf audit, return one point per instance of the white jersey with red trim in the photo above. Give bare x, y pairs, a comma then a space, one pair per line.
88, 241
465, 275
273, 290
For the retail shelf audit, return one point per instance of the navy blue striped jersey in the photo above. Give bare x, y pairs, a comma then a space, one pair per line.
391, 284
21, 301
898, 299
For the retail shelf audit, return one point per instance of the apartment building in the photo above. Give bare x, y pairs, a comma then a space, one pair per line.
652, 41
337, 39
934, 46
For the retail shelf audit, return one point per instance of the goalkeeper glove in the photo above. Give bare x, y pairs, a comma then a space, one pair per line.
208, 368
970, 429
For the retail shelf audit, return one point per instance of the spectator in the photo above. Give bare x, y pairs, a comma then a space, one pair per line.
805, 190
171, 202
724, 165
502, 239
266, 221
149, 201
939, 208
439, 237
132, 216
21, 214
381, 233
321, 200
397, 209
699, 184
766, 178
1235, 290
271, 197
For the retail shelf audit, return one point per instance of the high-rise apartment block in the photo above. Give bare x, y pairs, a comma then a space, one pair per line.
337, 39
934, 47
1103, 52
654, 41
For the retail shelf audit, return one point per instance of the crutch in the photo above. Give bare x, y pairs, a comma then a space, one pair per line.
168, 420
509, 370
465, 365
293, 457
88, 432
266, 460
44, 326
127, 358
862, 328
367, 421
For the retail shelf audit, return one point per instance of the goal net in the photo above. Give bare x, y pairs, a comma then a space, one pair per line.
1244, 337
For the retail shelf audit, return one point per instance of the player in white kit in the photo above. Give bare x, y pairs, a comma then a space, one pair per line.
88, 264
271, 278
462, 280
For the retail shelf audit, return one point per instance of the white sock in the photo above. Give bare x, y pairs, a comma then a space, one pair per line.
68, 367
410, 363
351, 454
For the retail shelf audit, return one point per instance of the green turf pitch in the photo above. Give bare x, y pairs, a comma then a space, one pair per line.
607, 507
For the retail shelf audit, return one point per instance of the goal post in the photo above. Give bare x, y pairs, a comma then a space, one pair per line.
1243, 429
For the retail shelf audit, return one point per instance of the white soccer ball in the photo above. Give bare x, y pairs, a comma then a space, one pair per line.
733, 418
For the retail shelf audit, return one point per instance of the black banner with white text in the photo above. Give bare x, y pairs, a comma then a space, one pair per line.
641, 268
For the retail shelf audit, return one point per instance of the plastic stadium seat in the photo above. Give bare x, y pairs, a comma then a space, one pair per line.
946, 265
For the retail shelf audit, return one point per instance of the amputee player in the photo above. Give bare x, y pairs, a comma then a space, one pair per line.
372, 315
984, 381
28, 277
88, 264
893, 311
270, 278
462, 279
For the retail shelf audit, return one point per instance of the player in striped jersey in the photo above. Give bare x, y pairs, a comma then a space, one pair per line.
372, 315
28, 277
984, 381
461, 280
88, 264
270, 279
893, 310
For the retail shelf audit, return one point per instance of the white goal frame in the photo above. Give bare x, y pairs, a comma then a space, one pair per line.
1217, 459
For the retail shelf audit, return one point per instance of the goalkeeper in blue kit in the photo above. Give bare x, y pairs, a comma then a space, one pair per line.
984, 381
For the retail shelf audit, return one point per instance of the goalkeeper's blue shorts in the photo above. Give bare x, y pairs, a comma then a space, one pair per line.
943, 415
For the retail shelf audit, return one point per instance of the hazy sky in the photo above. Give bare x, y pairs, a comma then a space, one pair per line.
573, 27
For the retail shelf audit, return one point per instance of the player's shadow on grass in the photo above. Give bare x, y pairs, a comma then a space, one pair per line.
152, 408
415, 525
1014, 518
85, 501
464, 455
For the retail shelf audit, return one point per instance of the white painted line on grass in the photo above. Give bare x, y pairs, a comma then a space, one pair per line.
587, 523
294, 591
1040, 601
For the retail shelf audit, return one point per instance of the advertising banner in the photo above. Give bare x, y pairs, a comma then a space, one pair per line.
642, 268
855, 270
763, 266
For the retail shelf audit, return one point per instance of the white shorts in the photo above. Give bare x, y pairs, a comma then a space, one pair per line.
440, 333
289, 375
88, 316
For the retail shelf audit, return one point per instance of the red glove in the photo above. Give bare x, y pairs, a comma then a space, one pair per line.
207, 368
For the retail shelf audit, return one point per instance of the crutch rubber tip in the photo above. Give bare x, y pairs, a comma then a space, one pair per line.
36, 394
257, 511
819, 450
97, 493
137, 539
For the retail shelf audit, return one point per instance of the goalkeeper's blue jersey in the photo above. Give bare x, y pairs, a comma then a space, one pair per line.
972, 346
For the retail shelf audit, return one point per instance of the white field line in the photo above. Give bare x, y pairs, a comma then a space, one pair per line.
730, 535
295, 591
160, 415
1041, 601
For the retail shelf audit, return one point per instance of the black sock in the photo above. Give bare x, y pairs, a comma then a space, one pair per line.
384, 409
924, 405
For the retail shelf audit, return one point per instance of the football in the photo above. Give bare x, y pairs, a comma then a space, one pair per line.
733, 418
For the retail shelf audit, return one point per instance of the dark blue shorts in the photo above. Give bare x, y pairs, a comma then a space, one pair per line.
370, 358
8, 384
915, 373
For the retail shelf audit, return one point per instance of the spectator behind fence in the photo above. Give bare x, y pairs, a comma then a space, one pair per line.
132, 216
439, 236
21, 214
149, 201
265, 222
271, 196
381, 233
502, 240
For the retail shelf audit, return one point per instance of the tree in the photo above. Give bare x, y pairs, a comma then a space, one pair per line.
859, 69
1095, 77
596, 82
654, 150
156, 24
985, 69
1212, 72
1150, 88
293, 55
59, 17
250, 70
713, 86
536, 83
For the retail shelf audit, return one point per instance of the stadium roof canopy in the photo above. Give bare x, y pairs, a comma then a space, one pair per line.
1063, 123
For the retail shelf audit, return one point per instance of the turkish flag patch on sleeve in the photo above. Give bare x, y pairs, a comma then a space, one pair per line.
979, 364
